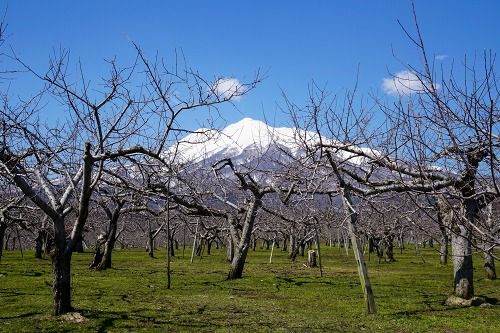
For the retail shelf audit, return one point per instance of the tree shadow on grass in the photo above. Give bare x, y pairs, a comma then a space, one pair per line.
24, 315
108, 320
300, 282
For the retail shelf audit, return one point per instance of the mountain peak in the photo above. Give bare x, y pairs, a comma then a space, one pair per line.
247, 138
231, 141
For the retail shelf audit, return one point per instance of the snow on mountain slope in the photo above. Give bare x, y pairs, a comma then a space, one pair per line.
249, 136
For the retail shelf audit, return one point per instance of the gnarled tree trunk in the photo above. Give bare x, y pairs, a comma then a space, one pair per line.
241, 249
109, 244
463, 271
61, 267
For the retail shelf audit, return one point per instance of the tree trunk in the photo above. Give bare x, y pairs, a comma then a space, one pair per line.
445, 219
371, 245
7, 238
106, 257
401, 242
241, 249
489, 261
302, 247
174, 245
318, 245
79, 245
489, 266
97, 254
150, 245
389, 248
230, 250
444, 248
360, 260
292, 245
61, 264
209, 247
463, 271
61, 267
39, 244
352, 223
311, 258
169, 241
3, 227
110, 240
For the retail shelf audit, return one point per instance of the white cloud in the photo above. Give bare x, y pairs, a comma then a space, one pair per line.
441, 57
229, 88
405, 83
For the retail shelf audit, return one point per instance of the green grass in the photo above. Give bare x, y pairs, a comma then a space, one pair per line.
278, 297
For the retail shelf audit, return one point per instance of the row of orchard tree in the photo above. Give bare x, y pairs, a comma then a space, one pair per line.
368, 172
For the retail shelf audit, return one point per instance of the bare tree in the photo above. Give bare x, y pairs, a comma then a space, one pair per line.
438, 139
58, 168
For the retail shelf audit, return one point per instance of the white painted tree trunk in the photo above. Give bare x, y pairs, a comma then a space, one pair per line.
272, 251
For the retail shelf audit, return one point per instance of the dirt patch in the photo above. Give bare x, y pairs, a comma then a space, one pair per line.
474, 301
74, 317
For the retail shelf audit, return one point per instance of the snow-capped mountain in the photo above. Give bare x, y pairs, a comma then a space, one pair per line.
244, 141
247, 137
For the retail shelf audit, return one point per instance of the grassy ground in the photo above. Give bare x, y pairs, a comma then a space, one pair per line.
278, 297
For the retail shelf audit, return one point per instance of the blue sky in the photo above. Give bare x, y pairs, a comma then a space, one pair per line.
293, 41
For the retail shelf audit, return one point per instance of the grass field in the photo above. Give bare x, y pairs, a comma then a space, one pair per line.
277, 297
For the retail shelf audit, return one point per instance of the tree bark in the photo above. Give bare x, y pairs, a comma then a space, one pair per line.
110, 242
230, 249
311, 258
61, 264
489, 260
302, 247
461, 241
443, 250
352, 223
445, 218
3, 227
150, 241
463, 271
292, 246
39, 244
106, 261
209, 247
79, 245
242, 247
489, 266
389, 248
97, 254
362, 269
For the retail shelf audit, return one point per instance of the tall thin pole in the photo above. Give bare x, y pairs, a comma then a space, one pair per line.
168, 234
194, 241
272, 250
318, 246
